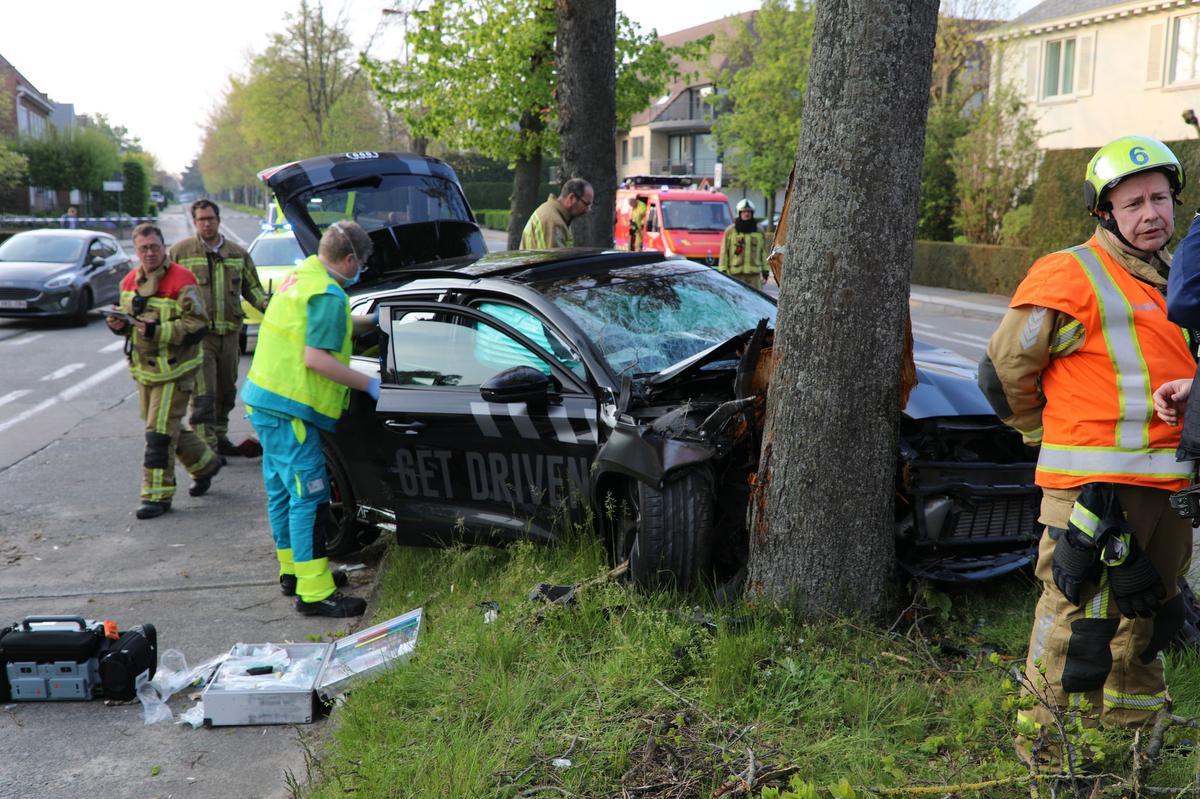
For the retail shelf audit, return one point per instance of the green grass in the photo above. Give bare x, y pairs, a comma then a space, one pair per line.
638, 692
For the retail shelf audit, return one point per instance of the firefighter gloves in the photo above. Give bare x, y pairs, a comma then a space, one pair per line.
1135, 584
1076, 560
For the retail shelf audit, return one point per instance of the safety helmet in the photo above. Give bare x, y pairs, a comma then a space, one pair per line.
745, 205
1127, 156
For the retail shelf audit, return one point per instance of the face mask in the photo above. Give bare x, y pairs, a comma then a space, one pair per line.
350, 281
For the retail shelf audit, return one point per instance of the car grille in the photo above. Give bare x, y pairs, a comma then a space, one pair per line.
17, 293
990, 518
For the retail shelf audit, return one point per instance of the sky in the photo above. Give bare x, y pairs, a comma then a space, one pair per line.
159, 67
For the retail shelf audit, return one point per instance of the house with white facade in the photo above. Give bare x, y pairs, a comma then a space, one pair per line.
1093, 70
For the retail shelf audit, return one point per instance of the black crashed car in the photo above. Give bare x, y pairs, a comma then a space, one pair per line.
60, 273
525, 394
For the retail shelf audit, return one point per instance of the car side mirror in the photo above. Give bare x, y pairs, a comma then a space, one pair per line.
517, 384
97, 261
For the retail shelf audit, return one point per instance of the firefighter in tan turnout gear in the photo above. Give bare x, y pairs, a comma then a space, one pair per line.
225, 275
550, 226
1072, 366
163, 316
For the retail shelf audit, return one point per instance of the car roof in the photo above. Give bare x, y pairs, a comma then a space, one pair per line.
77, 233
524, 266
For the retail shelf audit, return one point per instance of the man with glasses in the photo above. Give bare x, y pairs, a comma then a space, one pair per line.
163, 317
550, 226
225, 275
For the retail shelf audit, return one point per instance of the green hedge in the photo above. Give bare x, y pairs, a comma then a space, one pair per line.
970, 267
1059, 218
494, 218
498, 194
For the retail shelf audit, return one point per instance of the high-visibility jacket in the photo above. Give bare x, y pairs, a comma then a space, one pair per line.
743, 253
278, 380
224, 277
1099, 423
168, 301
548, 228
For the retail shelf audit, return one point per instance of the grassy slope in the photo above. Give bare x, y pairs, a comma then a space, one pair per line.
638, 693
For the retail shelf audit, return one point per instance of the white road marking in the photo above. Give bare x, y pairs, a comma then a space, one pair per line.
230, 234
59, 374
20, 340
116, 345
923, 326
954, 341
13, 396
65, 395
74, 391
934, 299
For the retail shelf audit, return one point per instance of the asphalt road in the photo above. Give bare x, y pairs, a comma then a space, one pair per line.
70, 458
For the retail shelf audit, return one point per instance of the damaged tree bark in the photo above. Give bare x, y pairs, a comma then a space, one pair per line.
821, 517
585, 54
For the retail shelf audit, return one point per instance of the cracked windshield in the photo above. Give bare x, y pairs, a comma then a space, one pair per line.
649, 318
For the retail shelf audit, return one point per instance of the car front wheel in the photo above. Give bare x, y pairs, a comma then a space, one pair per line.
79, 317
341, 526
673, 546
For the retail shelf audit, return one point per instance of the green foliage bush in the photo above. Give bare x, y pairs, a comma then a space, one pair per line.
1014, 230
497, 194
137, 187
1059, 218
494, 218
970, 267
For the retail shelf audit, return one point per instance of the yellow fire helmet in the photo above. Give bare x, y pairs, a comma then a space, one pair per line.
1127, 156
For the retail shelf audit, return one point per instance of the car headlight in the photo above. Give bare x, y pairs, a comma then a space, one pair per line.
60, 282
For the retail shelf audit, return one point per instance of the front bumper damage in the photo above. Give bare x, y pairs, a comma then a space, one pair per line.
966, 504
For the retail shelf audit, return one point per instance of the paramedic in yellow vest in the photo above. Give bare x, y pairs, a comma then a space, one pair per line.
1072, 366
637, 222
296, 388
744, 248
162, 315
550, 226
225, 274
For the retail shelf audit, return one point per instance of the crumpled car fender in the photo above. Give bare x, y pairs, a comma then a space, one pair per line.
650, 460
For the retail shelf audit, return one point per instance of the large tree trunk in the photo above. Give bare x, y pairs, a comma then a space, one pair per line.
526, 178
821, 520
587, 109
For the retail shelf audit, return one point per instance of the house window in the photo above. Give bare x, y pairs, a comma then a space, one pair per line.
639, 143
624, 151
1058, 78
1185, 49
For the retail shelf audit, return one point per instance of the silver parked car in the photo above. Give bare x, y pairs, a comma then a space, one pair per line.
60, 273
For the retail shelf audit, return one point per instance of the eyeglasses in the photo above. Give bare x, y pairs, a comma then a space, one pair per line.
586, 203
149, 249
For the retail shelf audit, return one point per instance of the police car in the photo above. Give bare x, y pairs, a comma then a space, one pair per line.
527, 394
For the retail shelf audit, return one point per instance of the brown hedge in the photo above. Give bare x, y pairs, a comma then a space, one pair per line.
970, 267
1059, 217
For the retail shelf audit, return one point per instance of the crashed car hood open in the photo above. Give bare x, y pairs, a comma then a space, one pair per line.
946, 385
411, 206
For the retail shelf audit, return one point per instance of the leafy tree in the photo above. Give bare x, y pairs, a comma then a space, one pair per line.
14, 167
764, 81
137, 185
193, 178
994, 165
80, 159
481, 76
939, 187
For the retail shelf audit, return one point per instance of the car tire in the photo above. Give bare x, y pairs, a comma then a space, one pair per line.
673, 547
79, 317
341, 527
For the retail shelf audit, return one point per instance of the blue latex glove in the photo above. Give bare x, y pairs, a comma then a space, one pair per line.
373, 388
375, 316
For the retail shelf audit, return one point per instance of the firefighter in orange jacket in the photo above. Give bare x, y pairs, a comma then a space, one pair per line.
1072, 366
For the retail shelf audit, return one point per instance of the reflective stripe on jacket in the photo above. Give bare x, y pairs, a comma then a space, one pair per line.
743, 253
1098, 421
278, 379
548, 228
171, 302
224, 277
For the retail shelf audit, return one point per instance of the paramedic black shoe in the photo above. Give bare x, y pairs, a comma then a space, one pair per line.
227, 447
335, 605
287, 582
152, 510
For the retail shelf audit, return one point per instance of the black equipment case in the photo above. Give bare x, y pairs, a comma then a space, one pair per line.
54, 658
